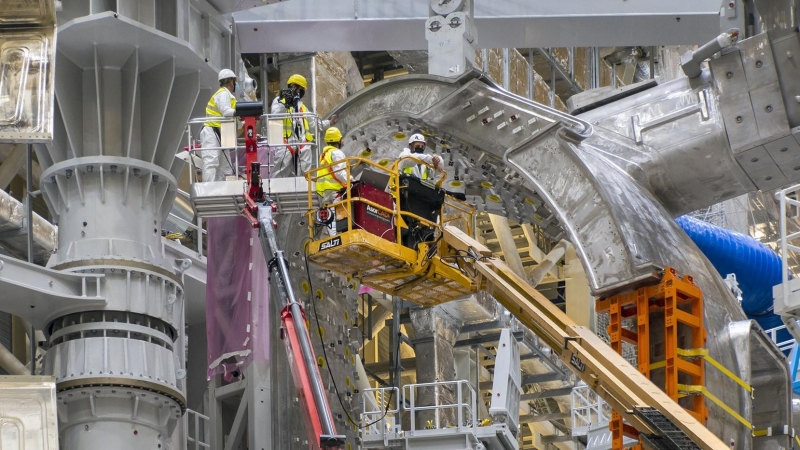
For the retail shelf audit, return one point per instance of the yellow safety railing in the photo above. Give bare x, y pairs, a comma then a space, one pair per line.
465, 212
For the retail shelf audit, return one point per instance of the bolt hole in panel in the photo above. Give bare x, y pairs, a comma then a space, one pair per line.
27, 48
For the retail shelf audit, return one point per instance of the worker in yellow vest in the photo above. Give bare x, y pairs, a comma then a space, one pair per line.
217, 164
332, 180
416, 148
296, 157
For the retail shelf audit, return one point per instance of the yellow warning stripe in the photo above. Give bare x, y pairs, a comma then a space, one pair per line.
688, 389
703, 353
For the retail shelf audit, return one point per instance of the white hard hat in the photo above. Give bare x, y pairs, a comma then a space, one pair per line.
224, 74
416, 137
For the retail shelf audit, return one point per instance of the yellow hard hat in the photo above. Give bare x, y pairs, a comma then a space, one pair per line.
298, 80
333, 135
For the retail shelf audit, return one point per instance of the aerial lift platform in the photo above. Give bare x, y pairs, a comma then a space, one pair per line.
443, 263
386, 247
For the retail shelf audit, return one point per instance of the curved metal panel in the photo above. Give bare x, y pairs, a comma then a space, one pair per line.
597, 187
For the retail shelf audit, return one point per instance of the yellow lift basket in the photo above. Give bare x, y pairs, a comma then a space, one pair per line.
427, 275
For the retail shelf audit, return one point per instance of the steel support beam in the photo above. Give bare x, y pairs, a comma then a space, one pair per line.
544, 417
528, 379
550, 393
320, 25
562, 72
387, 367
494, 337
38, 294
238, 427
553, 439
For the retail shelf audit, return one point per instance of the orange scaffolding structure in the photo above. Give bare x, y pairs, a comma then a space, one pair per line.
679, 303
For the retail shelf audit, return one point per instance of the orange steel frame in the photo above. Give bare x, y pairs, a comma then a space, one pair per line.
670, 293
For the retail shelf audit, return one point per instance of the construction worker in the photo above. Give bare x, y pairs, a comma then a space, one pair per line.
217, 164
332, 180
296, 158
421, 202
416, 148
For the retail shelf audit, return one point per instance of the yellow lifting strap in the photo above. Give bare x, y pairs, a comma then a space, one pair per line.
703, 353
687, 389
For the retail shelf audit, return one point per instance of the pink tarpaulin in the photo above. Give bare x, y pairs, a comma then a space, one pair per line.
237, 296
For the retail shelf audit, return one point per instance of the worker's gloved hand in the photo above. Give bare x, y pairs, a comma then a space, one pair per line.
437, 162
334, 119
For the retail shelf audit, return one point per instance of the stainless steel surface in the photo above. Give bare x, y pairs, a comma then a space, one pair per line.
731, 82
691, 61
784, 49
27, 49
671, 144
28, 412
583, 101
763, 366
13, 234
313, 25
774, 15
608, 196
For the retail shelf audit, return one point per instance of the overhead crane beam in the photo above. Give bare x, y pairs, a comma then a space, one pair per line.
319, 25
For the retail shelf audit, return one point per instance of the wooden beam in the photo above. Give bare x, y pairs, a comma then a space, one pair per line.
455, 239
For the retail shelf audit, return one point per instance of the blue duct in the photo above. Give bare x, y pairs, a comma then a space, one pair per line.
756, 266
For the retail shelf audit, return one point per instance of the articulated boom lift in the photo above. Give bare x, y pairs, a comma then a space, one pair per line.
447, 264
259, 209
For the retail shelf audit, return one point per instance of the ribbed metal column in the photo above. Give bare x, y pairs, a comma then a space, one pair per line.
123, 95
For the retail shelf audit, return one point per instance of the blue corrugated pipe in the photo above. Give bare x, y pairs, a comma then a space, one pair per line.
756, 266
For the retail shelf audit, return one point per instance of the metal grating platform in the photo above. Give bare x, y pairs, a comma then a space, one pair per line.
429, 290
359, 253
671, 437
226, 198
373, 260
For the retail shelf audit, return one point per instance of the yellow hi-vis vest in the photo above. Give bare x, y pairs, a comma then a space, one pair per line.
288, 125
212, 110
423, 169
329, 181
